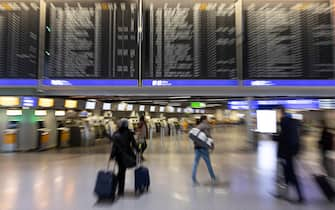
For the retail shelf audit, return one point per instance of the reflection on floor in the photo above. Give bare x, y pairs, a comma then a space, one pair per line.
65, 180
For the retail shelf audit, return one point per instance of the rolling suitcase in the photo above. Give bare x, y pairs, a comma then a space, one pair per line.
142, 177
325, 186
106, 184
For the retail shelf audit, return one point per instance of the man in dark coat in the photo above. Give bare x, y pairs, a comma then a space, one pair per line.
288, 149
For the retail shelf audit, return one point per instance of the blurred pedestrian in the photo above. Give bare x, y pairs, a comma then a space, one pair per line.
325, 145
288, 149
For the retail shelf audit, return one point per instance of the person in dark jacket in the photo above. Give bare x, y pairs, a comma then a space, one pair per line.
325, 145
288, 149
123, 142
201, 152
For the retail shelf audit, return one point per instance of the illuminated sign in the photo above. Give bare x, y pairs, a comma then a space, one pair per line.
40, 112
90, 105
141, 108
152, 108
293, 83
15, 112
45, 102
198, 105
9, 101
71, 104
106, 106
28, 101
189, 83
90, 82
59, 113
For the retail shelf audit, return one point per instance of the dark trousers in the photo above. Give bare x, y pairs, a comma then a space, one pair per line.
291, 177
325, 163
121, 176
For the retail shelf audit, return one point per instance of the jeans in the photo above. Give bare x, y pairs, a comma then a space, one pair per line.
204, 154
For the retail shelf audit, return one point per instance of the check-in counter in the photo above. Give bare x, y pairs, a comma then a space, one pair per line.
43, 138
10, 137
63, 137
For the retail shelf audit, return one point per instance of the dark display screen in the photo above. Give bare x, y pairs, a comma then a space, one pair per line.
92, 40
190, 40
19, 37
288, 40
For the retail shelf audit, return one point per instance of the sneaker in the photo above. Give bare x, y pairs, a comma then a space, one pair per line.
196, 183
215, 181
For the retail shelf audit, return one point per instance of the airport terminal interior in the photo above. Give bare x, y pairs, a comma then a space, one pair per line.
74, 73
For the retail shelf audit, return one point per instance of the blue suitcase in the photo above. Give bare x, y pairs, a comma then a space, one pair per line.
142, 179
106, 184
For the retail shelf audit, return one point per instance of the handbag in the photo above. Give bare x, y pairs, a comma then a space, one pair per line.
199, 138
124, 158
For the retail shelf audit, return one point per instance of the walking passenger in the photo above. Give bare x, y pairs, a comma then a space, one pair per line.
202, 152
288, 149
123, 152
325, 145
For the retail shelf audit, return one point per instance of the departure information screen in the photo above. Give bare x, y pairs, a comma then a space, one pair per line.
19, 37
288, 40
92, 40
190, 40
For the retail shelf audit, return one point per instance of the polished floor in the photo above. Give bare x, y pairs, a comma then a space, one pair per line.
64, 180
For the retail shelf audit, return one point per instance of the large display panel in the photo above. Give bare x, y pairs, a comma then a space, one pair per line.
91, 39
189, 40
19, 41
287, 39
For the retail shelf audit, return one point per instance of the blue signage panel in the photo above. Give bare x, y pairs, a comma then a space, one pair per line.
293, 83
189, 83
28, 101
291, 104
18, 82
90, 82
288, 104
238, 105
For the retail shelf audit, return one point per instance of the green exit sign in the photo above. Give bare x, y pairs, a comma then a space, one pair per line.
197, 105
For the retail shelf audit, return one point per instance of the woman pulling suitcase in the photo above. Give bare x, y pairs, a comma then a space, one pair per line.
123, 148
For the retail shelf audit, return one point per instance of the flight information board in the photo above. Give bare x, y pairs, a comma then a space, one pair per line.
92, 40
190, 40
288, 40
19, 37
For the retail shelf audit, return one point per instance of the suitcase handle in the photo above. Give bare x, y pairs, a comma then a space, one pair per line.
109, 163
138, 159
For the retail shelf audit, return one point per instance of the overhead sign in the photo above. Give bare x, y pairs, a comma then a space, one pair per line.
27, 101
8, 101
287, 83
45, 102
198, 105
189, 83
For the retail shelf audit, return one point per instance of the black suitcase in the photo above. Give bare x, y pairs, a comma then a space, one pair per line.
106, 184
325, 186
142, 176
142, 179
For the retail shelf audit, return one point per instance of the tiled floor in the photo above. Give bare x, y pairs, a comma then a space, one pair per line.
65, 180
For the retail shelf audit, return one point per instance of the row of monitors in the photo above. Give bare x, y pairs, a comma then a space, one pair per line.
29, 101
25, 101
70, 58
